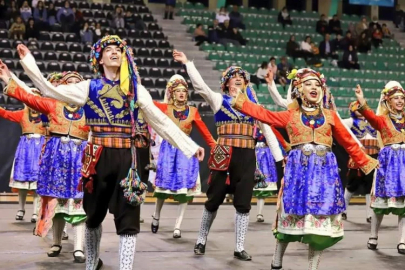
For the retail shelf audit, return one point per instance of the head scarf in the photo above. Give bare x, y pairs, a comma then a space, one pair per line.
70, 74
391, 89
175, 82
54, 77
230, 73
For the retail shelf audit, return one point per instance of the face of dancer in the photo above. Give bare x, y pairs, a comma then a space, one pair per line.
55, 83
111, 56
397, 103
236, 84
180, 94
312, 90
73, 80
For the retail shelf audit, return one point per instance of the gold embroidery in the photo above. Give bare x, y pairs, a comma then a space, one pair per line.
389, 134
117, 101
95, 108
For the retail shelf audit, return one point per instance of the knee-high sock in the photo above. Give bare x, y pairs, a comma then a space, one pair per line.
260, 205
35, 199
241, 227
401, 228
314, 257
368, 203
375, 226
181, 209
58, 224
92, 241
206, 222
65, 228
279, 254
79, 230
348, 196
158, 208
22, 198
127, 251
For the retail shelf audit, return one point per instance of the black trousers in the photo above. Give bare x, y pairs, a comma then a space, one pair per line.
143, 159
112, 167
358, 181
241, 172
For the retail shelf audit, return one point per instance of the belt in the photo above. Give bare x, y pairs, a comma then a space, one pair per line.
236, 137
32, 135
67, 138
397, 146
111, 135
261, 145
309, 149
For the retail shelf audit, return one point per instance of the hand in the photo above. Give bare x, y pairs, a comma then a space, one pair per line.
22, 51
4, 72
270, 76
200, 154
360, 95
179, 57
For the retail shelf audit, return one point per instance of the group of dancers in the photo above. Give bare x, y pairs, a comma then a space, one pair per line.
85, 150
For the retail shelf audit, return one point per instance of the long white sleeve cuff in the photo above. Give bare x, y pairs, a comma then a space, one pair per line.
272, 142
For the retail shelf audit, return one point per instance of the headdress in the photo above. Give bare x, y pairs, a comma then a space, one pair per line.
230, 72
175, 82
70, 74
391, 89
54, 77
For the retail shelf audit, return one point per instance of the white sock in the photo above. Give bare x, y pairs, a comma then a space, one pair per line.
314, 258
279, 254
127, 251
65, 228
35, 200
158, 208
79, 230
181, 209
22, 198
92, 240
58, 224
348, 196
241, 227
260, 205
401, 228
375, 226
368, 204
206, 223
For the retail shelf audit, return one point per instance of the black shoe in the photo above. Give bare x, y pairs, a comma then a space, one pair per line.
79, 259
243, 255
154, 228
276, 267
401, 251
199, 249
171, 16
344, 216
372, 246
166, 15
99, 264
19, 216
53, 253
368, 220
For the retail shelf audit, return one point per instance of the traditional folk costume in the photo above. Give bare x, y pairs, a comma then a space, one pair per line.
388, 193
311, 201
367, 136
24, 174
59, 171
109, 169
233, 160
177, 176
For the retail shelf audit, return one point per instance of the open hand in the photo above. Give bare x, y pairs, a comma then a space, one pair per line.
22, 51
4, 72
179, 57
200, 154
360, 95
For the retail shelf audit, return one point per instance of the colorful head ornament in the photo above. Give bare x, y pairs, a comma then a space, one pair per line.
392, 89
230, 72
68, 75
54, 77
175, 82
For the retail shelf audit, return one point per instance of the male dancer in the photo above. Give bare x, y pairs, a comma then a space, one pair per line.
111, 104
233, 160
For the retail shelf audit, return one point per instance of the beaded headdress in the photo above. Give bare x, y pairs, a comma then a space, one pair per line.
175, 82
230, 73
70, 74
54, 77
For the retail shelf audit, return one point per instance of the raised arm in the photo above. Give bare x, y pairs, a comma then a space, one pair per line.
164, 126
376, 121
203, 129
272, 142
275, 95
13, 116
214, 99
161, 106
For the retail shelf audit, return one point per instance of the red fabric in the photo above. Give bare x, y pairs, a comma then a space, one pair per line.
203, 129
40, 104
280, 138
14, 116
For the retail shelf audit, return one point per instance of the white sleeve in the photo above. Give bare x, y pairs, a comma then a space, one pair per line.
73, 93
348, 123
275, 95
272, 142
213, 98
21, 83
163, 125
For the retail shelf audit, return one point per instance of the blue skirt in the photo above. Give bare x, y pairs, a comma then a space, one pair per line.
174, 170
26, 164
59, 172
267, 166
312, 185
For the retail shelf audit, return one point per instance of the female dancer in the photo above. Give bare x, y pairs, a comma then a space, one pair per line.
59, 171
388, 193
311, 201
177, 176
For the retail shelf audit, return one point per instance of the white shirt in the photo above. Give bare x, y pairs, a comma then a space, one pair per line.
222, 17
262, 73
305, 46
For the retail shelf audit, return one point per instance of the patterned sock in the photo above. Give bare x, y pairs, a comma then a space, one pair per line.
241, 227
260, 205
206, 222
375, 225
348, 196
92, 241
314, 258
279, 254
368, 204
57, 228
127, 251
78, 230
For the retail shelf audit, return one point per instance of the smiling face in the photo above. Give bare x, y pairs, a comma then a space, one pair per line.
111, 56
235, 84
312, 90
180, 94
397, 103
73, 80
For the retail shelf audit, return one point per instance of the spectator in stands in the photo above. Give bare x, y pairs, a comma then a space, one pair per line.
227, 35
118, 18
25, 11
86, 34
363, 43
214, 32
284, 17
377, 37
97, 32
347, 41
361, 26
349, 60
51, 12
236, 18
262, 71
375, 23
238, 37
398, 16
292, 48
17, 29
169, 9
79, 21
199, 35
66, 17
129, 20
34, 3
13, 11
306, 48
337, 42
386, 32
3, 14
334, 25
222, 16
326, 48
31, 31
282, 69
40, 15
322, 25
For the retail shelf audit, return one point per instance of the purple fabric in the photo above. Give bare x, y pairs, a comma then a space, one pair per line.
390, 179
59, 171
266, 163
174, 170
312, 185
26, 164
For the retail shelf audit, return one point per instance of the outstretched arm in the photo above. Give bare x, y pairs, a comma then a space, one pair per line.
275, 95
376, 121
203, 129
13, 116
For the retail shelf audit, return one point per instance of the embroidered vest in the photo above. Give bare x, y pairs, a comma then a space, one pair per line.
31, 122
390, 135
183, 119
361, 127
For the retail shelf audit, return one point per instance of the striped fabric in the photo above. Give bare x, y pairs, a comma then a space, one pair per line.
111, 137
236, 135
371, 146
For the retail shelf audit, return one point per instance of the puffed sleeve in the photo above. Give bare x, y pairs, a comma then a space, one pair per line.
13, 116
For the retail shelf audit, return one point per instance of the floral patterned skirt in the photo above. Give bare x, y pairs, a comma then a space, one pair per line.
267, 166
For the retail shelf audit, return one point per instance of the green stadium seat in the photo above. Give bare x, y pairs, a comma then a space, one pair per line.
214, 56
206, 47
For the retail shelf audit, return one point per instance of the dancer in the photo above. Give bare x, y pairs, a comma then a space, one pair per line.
367, 136
24, 174
59, 171
176, 176
311, 201
111, 103
388, 193
233, 160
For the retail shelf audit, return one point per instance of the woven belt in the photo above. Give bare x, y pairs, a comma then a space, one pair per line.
111, 135
243, 137
261, 145
309, 149
397, 146
32, 135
